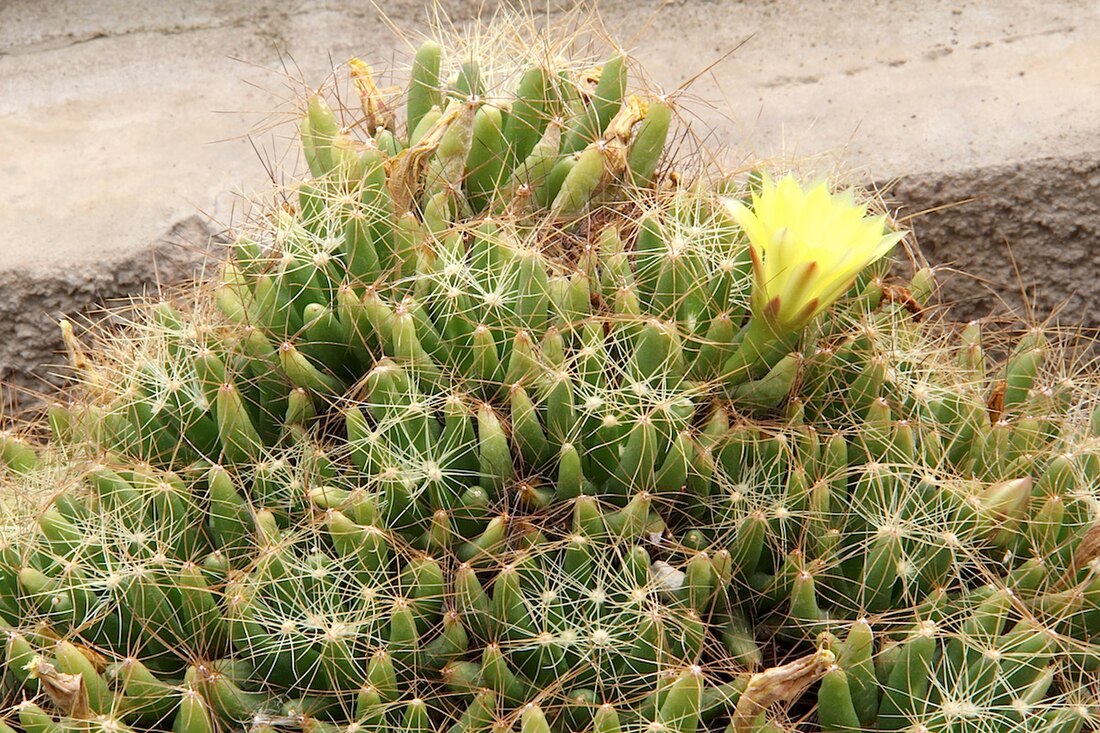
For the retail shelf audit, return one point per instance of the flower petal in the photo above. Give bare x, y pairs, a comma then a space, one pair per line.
808, 245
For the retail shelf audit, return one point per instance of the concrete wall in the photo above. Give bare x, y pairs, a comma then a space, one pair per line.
131, 133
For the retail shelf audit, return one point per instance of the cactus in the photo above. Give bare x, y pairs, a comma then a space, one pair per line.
505, 426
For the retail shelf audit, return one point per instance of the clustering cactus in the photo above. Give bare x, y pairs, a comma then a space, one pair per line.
505, 426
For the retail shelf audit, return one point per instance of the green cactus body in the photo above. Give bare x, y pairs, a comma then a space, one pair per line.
493, 430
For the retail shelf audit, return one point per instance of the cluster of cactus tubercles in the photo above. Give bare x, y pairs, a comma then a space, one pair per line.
504, 426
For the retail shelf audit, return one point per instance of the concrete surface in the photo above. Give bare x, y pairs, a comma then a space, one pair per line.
131, 133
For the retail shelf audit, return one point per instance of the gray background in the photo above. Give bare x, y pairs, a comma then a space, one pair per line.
131, 133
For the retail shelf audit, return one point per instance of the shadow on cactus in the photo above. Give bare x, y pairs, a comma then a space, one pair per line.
504, 423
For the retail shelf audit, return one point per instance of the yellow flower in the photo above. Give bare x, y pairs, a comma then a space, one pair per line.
807, 248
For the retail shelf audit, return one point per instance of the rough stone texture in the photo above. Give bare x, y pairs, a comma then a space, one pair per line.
1027, 243
127, 126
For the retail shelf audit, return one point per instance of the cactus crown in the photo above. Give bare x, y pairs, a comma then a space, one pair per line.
507, 425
